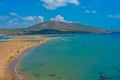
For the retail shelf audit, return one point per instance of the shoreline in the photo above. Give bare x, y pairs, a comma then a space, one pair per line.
12, 50
13, 65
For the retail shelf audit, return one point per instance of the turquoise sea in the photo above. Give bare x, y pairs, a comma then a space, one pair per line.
4, 38
74, 57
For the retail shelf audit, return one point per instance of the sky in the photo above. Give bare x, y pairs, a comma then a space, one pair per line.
24, 13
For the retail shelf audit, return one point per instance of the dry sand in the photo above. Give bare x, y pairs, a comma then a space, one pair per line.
11, 49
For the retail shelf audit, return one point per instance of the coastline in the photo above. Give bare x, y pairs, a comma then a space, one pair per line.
13, 65
13, 49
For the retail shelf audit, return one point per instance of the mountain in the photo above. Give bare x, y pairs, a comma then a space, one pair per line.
54, 27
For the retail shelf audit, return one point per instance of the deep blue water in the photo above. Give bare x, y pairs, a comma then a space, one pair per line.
74, 57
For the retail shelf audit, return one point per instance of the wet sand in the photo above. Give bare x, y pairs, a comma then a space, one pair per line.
12, 49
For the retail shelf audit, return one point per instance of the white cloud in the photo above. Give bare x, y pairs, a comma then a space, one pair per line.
117, 16
17, 21
91, 11
58, 18
28, 18
33, 18
53, 4
61, 19
41, 18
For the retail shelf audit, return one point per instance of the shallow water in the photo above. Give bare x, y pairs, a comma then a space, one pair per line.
74, 57
4, 38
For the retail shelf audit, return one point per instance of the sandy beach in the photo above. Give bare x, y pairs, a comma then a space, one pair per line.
12, 49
